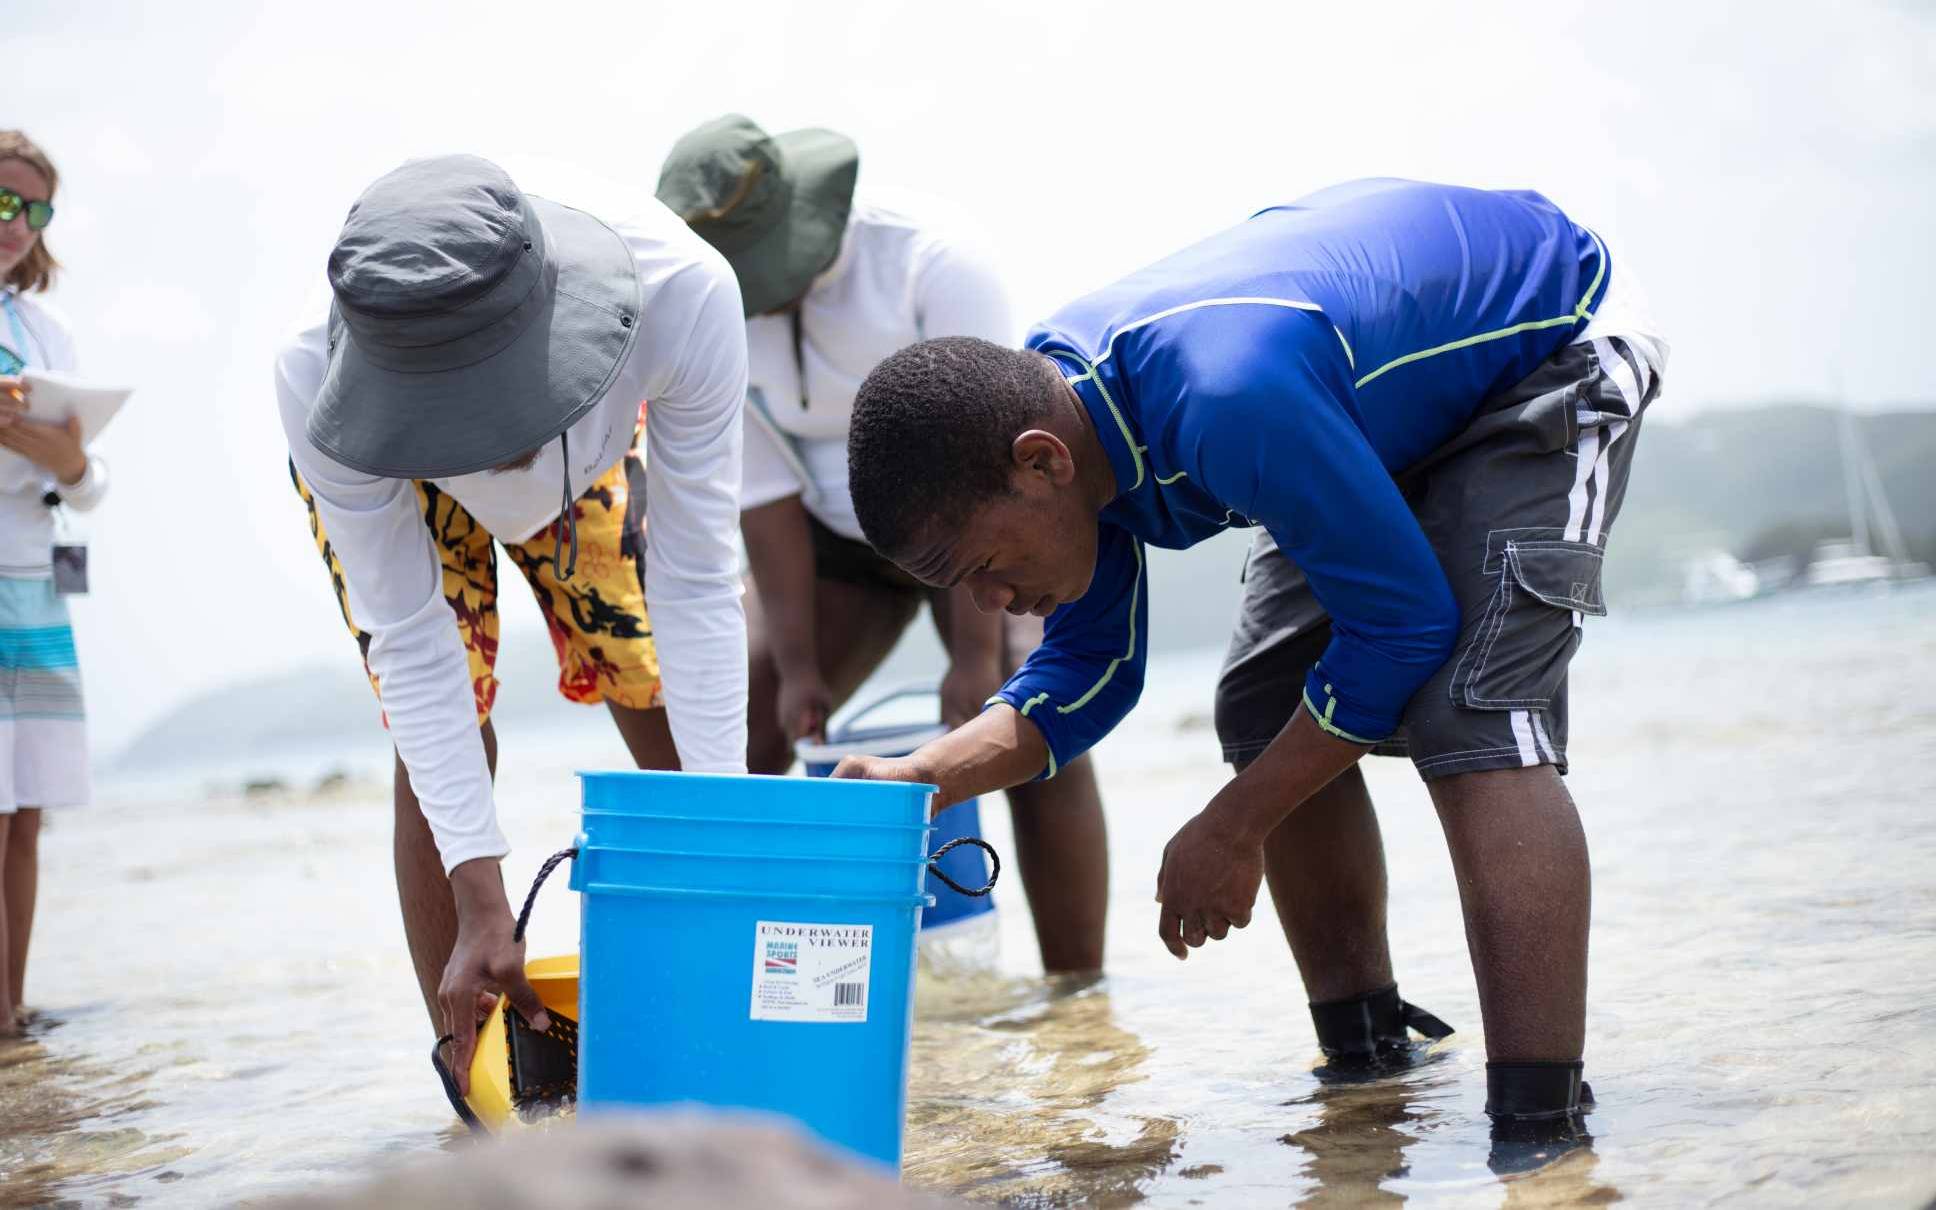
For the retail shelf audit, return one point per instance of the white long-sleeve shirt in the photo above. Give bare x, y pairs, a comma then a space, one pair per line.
898, 279
26, 523
689, 362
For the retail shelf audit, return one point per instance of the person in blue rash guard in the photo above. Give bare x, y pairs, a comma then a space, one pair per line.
1424, 399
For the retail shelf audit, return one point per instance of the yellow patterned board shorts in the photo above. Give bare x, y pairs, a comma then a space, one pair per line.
597, 618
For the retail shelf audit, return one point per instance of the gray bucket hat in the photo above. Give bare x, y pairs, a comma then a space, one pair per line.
472, 323
775, 206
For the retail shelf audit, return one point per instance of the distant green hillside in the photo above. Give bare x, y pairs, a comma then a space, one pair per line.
1757, 483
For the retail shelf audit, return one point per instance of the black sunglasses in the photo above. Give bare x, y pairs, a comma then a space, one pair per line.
39, 214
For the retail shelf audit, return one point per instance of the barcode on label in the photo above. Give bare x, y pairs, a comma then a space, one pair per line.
850, 995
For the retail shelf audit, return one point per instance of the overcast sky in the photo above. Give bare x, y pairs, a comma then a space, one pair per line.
1767, 169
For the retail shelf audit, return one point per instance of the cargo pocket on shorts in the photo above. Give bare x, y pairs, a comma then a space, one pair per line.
1516, 657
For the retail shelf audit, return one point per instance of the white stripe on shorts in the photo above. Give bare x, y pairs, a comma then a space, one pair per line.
1545, 742
1620, 372
1599, 508
1587, 456
1522, 729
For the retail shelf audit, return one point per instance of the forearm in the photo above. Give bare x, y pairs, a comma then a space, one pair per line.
425, 687
779, 548
1302, 760
996, 749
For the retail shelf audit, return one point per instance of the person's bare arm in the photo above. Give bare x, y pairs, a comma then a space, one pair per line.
1212, 867
974, 659
779, 548
996, 749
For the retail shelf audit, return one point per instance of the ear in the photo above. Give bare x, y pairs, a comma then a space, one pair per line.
1040, 452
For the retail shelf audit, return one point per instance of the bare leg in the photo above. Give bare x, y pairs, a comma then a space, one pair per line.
1525, 884
22, 877
1061, 839
855, 626
423, 891
9, 1025
1326, 868
1062, 847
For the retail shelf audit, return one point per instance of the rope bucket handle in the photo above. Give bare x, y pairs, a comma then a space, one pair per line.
994, 865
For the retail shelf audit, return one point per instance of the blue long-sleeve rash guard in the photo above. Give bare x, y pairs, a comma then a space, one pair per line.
1281, 373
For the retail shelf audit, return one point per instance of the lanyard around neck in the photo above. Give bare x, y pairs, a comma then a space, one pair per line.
19, 330
799, 358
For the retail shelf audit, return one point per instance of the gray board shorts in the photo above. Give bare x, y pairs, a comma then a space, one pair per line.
1518, 506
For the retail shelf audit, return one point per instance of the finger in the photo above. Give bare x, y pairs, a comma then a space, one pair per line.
1218, 927
1169, 930
461, 1024
524, 998
486, 1004
850, 766
73, 427
1193, 931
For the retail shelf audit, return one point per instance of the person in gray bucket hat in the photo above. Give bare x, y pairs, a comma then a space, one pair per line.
481, 378
834, 283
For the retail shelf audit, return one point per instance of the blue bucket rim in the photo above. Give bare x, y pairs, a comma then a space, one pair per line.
607, 813
871, 787
663, 892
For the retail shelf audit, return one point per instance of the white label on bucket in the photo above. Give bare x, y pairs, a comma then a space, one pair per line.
811, 972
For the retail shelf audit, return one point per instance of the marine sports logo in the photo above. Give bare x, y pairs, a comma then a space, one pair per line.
782, 958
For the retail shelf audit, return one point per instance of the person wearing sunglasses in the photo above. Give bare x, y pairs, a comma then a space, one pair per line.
43, 730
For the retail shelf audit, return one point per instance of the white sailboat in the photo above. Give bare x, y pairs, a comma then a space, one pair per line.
1856, 560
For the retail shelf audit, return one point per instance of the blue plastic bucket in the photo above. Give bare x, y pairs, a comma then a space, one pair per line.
851, 736
749, 942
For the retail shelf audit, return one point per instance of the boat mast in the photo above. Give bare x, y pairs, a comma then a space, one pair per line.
1885, 517
1853, 481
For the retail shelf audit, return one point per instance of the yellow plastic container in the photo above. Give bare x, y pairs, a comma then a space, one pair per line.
491, 1097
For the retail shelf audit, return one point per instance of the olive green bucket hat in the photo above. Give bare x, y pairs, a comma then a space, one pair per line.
775, 206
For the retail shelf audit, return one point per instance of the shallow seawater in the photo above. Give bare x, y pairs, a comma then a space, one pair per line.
228, 1013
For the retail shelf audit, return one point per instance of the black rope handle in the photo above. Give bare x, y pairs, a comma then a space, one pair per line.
544, 871
457, 1102
994, 861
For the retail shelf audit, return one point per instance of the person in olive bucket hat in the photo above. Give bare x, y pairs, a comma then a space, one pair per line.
481, 377
833, 285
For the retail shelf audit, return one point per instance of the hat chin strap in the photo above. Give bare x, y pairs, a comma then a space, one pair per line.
567, 513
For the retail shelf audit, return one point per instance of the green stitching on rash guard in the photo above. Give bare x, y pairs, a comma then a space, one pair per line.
1135, 594
1324, 721
1580, 312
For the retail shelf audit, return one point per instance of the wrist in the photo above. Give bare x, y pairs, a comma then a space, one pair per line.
1249, 817
477, 886
73, 472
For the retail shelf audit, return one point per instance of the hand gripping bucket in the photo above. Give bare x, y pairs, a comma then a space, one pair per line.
748, 942
856, 735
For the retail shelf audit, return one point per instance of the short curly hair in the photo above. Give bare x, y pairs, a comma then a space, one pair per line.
932, 430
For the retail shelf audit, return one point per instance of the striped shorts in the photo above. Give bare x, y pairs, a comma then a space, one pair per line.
1519, 507
43, 727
